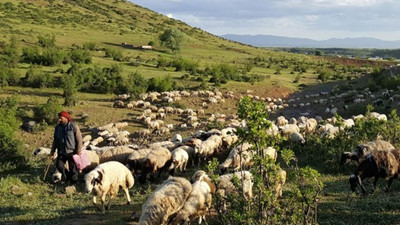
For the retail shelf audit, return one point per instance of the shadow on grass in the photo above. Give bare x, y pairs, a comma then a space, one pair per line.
340, 206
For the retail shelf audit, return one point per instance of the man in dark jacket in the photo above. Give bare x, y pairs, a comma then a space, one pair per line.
67, 141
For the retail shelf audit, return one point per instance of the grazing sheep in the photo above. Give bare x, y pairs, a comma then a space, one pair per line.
361, 150
199, 201
119, 153
287, 129
180, 158
106, 179
281, 121
157, 160
165, 201
225, 185
296, 137
241, 155
135, 159
377, 164
119, 104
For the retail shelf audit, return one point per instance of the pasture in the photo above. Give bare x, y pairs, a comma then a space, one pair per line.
27, 199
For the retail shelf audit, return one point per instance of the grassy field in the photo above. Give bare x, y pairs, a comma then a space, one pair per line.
26, 199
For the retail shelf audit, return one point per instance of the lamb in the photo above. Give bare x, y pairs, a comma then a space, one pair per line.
360, 151
180, 158
296, 137
226, 187
156, 161
199, 200
241, 155
106, 179
209, 146
287, 129
165, 201
377, 164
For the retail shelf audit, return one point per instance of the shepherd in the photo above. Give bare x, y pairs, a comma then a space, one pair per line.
68, 141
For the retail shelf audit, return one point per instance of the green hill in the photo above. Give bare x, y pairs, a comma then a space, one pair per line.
121, 27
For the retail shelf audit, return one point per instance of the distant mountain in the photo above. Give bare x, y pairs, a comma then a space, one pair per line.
279, 41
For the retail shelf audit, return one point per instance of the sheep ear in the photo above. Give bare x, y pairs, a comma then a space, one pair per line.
99, 179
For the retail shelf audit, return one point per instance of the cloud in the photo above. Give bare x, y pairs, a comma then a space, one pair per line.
314, 18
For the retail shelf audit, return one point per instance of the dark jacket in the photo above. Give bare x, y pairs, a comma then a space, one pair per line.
67, 139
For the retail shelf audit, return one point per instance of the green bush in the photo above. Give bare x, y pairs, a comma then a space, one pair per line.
48, 112
80, 56
45, 42
8, 76
115, 54
11, 150
160, 84
36, 78
89, 46
49, 56
70, 88
136, 84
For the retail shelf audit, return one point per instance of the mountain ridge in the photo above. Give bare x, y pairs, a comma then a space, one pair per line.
260, 40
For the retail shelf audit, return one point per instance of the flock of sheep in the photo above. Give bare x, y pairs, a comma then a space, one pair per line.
116, 162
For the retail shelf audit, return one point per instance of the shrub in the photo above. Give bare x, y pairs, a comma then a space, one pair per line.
8, 76
70, 88
136, 84
36, 78
80, 56
115, 54
89, 46
47, 41
160, 84
48, 112
11, 53
11, 150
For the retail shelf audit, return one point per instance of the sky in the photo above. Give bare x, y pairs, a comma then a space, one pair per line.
314, 19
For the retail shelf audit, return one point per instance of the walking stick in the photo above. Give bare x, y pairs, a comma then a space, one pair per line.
47, 169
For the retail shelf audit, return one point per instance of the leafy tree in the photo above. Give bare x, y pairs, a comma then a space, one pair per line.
11, 53
136, 84
48, 112
172, 39
69, 85
10, 148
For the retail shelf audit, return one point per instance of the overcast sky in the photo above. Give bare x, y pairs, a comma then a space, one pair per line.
315, 19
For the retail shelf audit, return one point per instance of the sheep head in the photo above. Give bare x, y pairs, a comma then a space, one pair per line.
93, 178
347, 157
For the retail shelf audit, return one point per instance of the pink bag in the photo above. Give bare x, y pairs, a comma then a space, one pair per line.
81, 161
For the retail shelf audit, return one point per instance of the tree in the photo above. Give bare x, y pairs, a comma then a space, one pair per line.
172, 39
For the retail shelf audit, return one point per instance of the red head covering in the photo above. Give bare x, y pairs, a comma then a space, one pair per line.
66, 115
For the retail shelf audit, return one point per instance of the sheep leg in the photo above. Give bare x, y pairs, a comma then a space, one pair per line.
389, 184
364, 191
127, 196
108, 207
103, 200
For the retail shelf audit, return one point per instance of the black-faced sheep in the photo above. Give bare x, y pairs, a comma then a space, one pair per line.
377, 164
165, 201
106, 180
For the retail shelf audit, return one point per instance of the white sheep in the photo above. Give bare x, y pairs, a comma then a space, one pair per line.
106, 180
119, 153
165, 201
180, 158
199, 201
296, 137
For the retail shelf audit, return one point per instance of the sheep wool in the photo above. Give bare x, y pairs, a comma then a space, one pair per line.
166, 200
